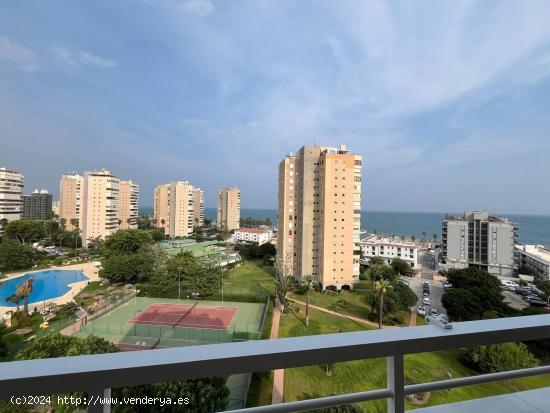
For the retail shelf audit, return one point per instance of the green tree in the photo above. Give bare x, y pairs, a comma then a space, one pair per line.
144, 222
183, 272
126, 241
25, 231
500, 357
14, 256
400, 266
130, 268
376, 261
156, 234
481, 290
381, 272
205, 396
3, 345
381, 287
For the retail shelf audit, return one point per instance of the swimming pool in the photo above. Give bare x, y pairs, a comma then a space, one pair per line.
47, 285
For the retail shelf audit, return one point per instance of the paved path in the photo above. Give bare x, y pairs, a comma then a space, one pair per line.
349, 317
412, 322
278, 375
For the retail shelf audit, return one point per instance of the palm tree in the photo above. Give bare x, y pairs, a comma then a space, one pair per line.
23, 290
434, 237
381, 287
14, 298
75, 223
3, 223
306, 283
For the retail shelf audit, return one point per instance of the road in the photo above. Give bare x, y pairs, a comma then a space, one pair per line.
514, 300
436, 292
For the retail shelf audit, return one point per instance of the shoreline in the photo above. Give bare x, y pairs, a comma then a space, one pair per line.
88, 270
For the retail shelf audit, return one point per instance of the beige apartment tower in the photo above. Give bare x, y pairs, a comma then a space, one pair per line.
128, 204
70, 196
174, 208
198, 207
320, 215
228, 215
100, 205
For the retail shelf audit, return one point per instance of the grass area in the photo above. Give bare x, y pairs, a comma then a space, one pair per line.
361, 375
16, 342
350, 303
251, 278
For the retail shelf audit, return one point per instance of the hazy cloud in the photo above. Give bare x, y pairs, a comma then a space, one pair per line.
24, 59
79, 58
198, 7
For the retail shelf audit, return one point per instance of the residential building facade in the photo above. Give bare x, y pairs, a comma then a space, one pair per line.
198, 207
70, 200
11, 195
128, 204
320, 215
38, 205
535, 258
228, 215
100, 205
258, 235
479, 240
389, 248
174, 208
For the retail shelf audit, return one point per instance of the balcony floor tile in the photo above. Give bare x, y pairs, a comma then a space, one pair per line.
531, 401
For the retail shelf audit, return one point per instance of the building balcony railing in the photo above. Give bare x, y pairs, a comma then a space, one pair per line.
97, 374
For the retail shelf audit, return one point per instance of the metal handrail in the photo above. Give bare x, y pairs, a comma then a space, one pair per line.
113, 370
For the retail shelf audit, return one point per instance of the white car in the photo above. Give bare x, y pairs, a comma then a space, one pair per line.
421, 310
508, 284
426, 301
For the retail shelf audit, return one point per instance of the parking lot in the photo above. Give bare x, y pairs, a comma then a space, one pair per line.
436, 292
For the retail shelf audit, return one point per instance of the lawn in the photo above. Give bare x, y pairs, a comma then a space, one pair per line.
250, 278
350, 303
361, 375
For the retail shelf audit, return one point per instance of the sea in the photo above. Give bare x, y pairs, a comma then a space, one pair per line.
533, 229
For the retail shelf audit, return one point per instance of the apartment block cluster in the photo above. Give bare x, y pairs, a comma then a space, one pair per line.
320, 215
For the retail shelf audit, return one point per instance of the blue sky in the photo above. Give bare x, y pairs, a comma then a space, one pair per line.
448, 102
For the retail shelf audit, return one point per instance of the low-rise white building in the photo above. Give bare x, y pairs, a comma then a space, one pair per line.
389, 248
536, 258
259, 235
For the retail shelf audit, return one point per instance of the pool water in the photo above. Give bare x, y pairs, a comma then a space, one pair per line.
47, 285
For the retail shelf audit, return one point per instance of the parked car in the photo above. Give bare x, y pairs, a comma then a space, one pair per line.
426, 301
434, 312
421, 310
523, 290
537, 302
509, 284
447, 285
531, 297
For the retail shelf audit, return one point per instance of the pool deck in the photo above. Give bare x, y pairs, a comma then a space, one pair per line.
87, 268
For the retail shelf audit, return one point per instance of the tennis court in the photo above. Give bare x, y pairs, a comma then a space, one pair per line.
183, 315
144, 322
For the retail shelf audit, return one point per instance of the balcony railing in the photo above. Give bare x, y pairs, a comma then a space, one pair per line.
97, 374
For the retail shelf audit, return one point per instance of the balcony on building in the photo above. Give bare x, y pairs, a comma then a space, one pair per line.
97, 374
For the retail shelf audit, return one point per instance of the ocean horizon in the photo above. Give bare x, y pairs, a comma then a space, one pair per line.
533, 229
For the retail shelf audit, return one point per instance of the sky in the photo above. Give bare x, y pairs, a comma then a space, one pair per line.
447, 102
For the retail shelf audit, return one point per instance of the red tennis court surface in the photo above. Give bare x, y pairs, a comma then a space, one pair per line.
181, 315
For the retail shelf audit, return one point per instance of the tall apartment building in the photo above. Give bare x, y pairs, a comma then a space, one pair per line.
11, 195
70, 199
100, 205
174, 208
198, 207
228, 215
128, 194
320, 214
481, 241
38, 205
